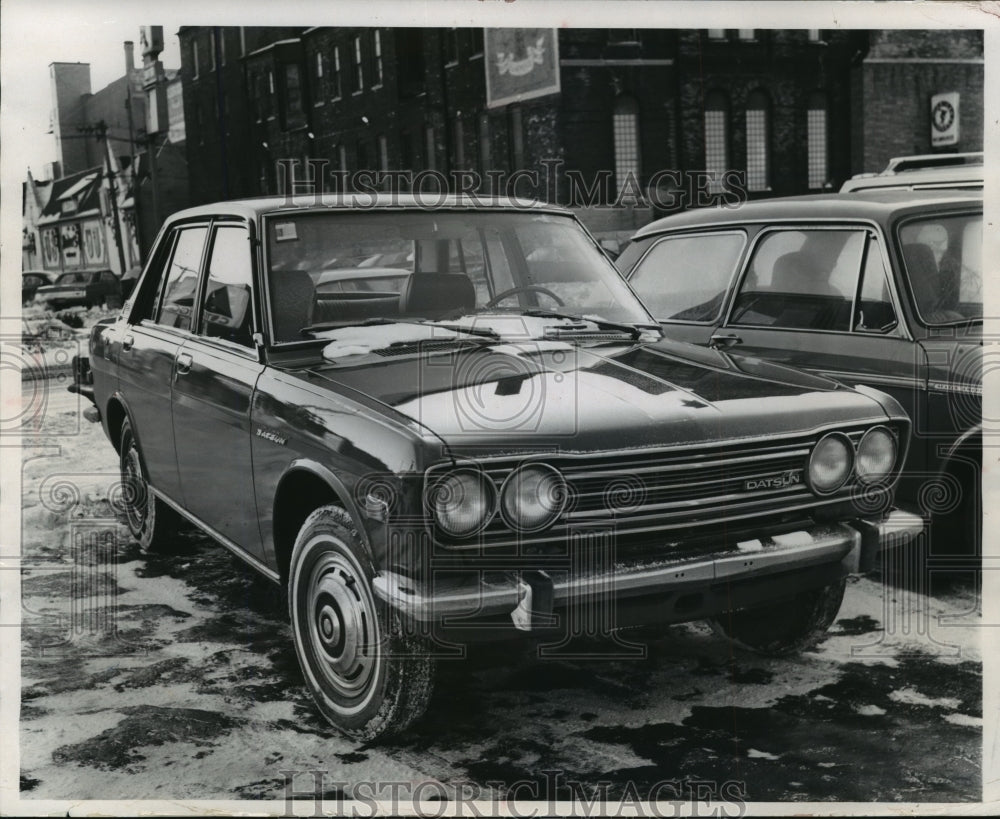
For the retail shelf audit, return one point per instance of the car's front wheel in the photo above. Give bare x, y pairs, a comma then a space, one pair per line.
787, 627
369, 675
151, 522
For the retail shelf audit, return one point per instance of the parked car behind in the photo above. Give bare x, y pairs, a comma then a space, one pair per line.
510, 446
86, 288
882, 289
31, 280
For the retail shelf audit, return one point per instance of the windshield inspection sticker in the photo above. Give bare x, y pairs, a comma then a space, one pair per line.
285, 232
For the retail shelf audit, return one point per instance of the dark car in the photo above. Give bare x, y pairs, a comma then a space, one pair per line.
31, 280
510, 446
882, 289
86, 288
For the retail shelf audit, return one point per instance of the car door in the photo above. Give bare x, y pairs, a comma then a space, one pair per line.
214, 379
158, 325
820, 298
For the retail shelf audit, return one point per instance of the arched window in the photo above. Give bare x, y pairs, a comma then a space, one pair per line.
626, 132
818, 171
716, 137
758, 159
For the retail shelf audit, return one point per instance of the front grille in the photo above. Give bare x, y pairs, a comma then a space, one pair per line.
683, 493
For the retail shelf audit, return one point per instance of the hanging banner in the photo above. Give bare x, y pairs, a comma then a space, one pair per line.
521, 63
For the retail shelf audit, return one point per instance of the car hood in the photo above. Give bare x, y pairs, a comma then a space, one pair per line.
516, 395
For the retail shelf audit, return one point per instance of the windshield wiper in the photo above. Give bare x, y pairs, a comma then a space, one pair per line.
634, 331
484, 332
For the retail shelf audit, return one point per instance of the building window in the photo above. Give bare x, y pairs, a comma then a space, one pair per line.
359, 68
269, 98
458, 137
716, 138
383, 154
218, 47
515, 127
430, 148
319, 65
716, 34
451, 46
243, 41
407, 152
477, 43
623, 36
376, 58
294, 113
194, 59
485, 147
336, 83
815, 35
816, 142
409, 48
626, 134
745, 33
758, 166
342, 158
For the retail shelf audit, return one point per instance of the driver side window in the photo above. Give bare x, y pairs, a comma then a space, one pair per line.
177, 301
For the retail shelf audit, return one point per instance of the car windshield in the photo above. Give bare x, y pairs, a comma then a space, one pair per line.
330, 270
944, 267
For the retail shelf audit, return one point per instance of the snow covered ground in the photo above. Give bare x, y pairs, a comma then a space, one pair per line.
174, 677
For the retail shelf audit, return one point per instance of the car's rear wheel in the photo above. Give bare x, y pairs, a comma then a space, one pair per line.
369, 676
787, 627
150, 521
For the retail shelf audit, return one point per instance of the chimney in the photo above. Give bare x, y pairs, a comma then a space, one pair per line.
129, 57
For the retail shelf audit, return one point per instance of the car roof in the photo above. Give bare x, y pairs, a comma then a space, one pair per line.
366, 202
875, 205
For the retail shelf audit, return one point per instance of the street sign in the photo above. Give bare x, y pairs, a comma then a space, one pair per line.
944, 119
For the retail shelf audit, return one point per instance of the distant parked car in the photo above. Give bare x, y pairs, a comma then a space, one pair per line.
87, 288
922, 173
879, 289
31, 280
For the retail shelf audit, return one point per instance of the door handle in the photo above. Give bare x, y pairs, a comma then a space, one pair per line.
183, 364
127, 342
724, 341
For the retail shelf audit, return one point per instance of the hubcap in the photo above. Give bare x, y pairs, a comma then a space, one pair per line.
343, 626
135, 490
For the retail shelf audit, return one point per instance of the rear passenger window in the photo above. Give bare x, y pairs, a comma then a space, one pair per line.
686, 278
177, 302
226, 310
801, 279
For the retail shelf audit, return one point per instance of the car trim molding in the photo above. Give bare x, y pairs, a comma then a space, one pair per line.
239, 551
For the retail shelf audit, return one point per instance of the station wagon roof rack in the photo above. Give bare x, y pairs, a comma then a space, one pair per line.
921, 162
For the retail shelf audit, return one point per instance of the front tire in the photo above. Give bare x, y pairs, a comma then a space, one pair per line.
778, 629
367, 675
150, 521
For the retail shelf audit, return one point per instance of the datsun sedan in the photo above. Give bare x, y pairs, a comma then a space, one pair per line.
882, 289
507, 444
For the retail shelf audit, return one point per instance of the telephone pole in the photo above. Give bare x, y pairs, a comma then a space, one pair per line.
100, 130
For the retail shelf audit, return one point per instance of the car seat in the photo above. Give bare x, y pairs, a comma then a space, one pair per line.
433, 295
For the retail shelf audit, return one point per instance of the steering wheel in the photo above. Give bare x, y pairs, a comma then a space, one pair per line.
527, 288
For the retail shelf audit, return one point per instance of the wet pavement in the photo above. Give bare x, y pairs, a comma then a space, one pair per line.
174, 676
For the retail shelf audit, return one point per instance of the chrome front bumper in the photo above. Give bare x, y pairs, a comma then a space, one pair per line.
464, 594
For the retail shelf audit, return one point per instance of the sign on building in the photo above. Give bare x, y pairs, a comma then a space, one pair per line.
175, 112
50, 248
93, 243
69, 239
521, 63
944, 119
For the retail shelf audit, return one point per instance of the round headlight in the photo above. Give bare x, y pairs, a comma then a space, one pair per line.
463, 502
532, 497
876, 455
830, 463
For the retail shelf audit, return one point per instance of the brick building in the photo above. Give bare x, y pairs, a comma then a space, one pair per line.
786, 109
